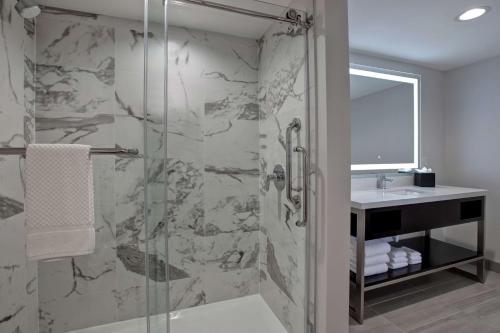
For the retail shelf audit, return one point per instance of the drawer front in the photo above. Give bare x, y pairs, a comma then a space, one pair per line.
398, 220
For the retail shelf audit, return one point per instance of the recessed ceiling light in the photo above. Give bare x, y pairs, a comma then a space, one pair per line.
473, 13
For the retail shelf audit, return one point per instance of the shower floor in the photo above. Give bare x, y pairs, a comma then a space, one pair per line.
242, 315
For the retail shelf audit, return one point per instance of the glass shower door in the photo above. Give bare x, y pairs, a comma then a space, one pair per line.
155, 158
237, 224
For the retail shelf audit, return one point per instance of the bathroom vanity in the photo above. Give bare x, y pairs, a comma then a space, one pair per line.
410, 209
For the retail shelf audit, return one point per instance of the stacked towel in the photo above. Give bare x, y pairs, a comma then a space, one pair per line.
414, 257
372, 247
376, 257
398, 258
372, 269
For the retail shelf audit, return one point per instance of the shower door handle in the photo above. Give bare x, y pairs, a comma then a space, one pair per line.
305, 187
294, 126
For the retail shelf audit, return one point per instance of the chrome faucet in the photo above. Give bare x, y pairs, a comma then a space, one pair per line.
382, 181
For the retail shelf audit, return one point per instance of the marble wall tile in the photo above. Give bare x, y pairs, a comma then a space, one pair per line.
187, 293
212, 136
73, 43
75, 90
229, 285
18, 278
11, 55
29, 80
77, 102
282, 97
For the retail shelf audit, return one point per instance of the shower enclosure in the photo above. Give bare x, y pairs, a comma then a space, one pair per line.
210, 227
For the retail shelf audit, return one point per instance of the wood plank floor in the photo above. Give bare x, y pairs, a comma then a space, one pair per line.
443, 302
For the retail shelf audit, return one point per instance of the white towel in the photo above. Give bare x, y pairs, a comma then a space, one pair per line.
414, 257
397, 252
373, 269
398, 260
373, 260
414, 262
372, 247
59, 201
411, 252
398, 265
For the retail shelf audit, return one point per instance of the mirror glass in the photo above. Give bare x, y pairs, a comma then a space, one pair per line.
384, 119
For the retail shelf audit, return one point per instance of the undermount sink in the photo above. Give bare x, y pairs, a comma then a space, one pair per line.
405, 192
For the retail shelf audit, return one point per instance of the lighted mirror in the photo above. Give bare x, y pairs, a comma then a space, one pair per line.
385, 108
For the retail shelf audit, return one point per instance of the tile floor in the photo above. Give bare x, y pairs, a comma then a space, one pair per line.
444, 302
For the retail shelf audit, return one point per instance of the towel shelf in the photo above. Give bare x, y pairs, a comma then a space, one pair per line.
93, 151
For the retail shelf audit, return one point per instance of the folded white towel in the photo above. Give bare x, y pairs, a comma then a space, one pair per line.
59, 201
415, 262
397, 252
414, 257
373, 260
372, 247
373, 269
410, 252
398, 265
398, 260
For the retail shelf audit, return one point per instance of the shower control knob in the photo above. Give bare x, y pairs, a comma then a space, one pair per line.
277, 177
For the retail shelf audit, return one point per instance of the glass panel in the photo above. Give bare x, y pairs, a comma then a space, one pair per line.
156, 259
237, 248
84, 74
89, 90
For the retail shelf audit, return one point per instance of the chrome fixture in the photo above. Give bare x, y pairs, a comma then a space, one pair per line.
28, 9
305, 188
93, 151
295, 200
291, 16
294, 126
382, 181
277, 177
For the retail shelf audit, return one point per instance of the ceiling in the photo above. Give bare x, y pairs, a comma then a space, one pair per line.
363, 86
191, 16
424, 32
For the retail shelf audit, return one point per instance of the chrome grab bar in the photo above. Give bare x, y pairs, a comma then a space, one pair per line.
305, 188
294, 126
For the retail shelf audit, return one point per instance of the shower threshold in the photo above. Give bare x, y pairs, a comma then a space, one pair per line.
248, 314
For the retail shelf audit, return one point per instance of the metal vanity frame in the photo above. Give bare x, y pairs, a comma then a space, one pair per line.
359, 220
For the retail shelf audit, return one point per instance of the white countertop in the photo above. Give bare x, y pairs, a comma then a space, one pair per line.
409, 195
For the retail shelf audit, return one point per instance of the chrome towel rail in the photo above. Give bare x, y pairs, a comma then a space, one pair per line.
93, 151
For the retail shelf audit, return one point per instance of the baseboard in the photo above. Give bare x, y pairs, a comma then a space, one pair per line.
492, 266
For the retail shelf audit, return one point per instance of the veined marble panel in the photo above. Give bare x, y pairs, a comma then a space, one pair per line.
12, 38
18, 278
73, 43
213, 173
282, 97
29, 81
75, 90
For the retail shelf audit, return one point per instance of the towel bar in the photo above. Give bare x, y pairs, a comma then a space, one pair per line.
93, 151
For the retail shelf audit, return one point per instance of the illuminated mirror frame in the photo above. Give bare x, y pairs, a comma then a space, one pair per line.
412, 79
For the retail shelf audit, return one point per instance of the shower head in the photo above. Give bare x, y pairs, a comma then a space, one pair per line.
28, 9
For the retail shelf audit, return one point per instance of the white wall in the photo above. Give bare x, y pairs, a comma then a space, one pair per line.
333, 125
432, 109
472, 154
